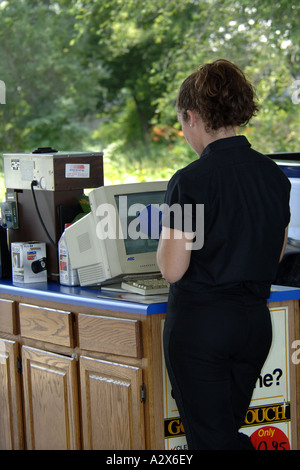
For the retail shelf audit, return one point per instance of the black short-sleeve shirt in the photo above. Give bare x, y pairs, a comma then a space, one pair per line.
246, 209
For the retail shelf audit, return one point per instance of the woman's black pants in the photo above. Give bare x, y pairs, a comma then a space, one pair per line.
215, 346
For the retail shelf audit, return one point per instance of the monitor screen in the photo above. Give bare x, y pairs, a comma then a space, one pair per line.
292, 170
143, 243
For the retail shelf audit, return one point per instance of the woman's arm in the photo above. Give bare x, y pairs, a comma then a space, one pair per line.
284, 243
174, 253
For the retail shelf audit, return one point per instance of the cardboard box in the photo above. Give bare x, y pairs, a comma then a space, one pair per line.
28, 262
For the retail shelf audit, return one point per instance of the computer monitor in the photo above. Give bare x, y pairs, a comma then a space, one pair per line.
108, 244
290, 164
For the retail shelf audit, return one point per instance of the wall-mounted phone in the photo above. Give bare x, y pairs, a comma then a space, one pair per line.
9, 211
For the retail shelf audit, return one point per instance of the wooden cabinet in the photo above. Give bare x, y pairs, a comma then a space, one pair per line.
50, 400
11, 419
80, 376
46, 324
112, 411
8, 317
119, 336
11, 427
72, 380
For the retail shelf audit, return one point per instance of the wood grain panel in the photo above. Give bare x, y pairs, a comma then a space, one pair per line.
110, 335
8, 323
45, 324
50, 400
112, 412
11, 419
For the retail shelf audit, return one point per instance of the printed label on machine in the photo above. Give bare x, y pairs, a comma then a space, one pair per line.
77, 170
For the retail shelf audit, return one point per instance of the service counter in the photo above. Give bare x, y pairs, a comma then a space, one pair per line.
81, 368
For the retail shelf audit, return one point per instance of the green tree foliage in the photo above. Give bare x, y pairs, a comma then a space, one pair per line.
90, 74
48, 94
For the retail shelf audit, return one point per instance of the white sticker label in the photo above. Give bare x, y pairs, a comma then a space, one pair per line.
26, 170
77, 170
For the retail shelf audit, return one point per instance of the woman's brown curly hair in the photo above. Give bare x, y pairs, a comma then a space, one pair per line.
220, 93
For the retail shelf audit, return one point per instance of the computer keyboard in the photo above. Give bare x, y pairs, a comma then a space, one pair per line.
148, 286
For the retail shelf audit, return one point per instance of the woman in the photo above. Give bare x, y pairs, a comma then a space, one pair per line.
218, 332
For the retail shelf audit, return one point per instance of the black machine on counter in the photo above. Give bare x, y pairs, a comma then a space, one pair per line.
42, 190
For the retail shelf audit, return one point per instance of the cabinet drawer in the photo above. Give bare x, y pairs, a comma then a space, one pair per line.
8, 318
46, 324
110, 335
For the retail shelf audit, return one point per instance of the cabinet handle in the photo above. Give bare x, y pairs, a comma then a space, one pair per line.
143, 393
19, 364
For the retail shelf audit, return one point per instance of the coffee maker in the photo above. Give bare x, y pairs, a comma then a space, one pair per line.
42, 190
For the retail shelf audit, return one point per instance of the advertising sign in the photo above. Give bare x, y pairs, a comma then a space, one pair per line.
268, 420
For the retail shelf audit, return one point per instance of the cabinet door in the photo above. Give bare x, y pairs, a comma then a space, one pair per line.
112, 412
50, 400
11, 420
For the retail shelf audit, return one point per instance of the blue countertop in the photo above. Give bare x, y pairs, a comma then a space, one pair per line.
117, 301
86, 297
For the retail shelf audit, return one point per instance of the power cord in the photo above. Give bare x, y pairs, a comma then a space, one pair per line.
33, 184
